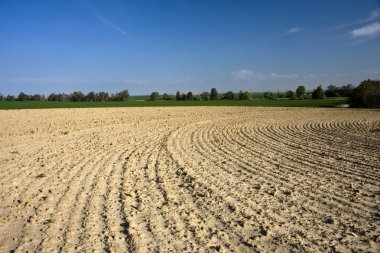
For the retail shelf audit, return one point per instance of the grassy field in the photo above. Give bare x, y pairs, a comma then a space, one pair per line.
5, 105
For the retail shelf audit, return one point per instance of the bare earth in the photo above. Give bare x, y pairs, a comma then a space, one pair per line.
199, 179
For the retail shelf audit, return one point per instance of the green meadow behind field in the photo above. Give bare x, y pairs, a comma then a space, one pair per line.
141, 102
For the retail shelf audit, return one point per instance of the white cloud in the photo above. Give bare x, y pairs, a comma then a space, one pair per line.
250, 75
283, 76
368, 30
243, 74
315, 75
294, 30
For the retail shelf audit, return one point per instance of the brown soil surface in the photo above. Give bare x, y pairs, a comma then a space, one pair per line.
190, 179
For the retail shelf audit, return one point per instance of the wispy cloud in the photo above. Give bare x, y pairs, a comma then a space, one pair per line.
366, 31
373, 16
315, 75
250, 75
242, 74
283, 76
293, 30
94, 11
108, 23
133, 81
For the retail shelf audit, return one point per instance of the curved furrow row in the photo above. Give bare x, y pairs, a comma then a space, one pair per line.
140, 197
89, 213
258, 179
298, 148
219, 221
92, 228
62, 182
281, 148
354, 131
205, 152
335, 141
34, 196
279, 164
50, 215
42, 153
357, 143
278, 167
307, 158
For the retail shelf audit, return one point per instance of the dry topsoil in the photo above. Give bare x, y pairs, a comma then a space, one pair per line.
190, 179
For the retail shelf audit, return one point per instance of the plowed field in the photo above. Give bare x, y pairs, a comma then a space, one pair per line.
223, 179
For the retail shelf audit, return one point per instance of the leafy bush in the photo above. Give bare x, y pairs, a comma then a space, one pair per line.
154, 96
289, 94
332, 91
11, 98
214, 94
189, 96
120, 96
244, 95
317, 93
229, 95
268, 95
367, 94
166, 96
205, 96
22, 97
77, 96
300, 91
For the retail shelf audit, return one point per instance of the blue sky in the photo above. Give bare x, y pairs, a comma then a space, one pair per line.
187, 45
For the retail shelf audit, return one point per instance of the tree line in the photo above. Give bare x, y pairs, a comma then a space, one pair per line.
366, 94
204, 96
76, 96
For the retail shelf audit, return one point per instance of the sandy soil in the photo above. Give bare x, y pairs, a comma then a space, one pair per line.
223, 179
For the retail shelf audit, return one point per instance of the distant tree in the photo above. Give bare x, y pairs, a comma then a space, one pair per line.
183, 97
63, 97
229, 95
37, 97
268, 95
102, 96
190, 96
279, 95
91, 96
213, 94
346, 90
244, 95
317, 93
154, 96
367, 94
1, 97
11, 98
22, 97
205, 96
121, 96
52, 97
332, 91
289, 94
300, 91
166, 96
178, 96
77, 96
